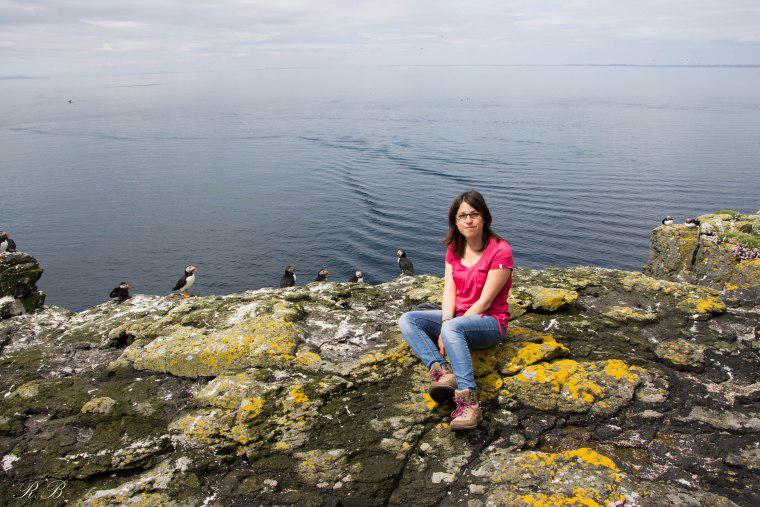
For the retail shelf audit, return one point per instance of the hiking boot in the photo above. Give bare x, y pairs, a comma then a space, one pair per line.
467, 414
444, 383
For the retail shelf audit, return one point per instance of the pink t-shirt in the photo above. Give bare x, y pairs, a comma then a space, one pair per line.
470, 281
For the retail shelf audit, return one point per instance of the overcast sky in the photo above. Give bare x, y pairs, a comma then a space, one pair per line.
70, 37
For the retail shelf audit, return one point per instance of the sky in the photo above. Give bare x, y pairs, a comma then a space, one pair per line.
104, 37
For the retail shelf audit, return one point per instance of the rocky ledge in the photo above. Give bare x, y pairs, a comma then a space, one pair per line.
16, 268
611, 388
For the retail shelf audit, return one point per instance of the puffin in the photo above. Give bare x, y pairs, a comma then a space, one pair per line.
322, 275
289, 278
404, 264
22, 289
6, 244
186, 281
668, 220
121, 293
692, 222
358, 277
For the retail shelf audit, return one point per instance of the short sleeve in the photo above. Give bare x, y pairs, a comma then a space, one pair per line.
502, 257
449, 255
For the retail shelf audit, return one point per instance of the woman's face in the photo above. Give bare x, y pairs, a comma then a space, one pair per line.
469, 221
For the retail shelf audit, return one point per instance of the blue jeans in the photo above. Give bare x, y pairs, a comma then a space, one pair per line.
460, 334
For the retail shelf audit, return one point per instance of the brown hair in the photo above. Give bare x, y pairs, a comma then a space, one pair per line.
454, 237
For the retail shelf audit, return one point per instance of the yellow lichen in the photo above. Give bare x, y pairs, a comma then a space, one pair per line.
619, 370
252, 407
297, 395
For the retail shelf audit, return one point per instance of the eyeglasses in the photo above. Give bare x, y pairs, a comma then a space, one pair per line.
461, 217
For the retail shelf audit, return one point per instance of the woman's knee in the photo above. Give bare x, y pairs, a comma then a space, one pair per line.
406, 321
451, 331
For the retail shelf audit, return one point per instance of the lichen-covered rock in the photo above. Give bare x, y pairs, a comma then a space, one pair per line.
20, 267
569, 386
672, 250
552, 299
681, 353
575, 477
102, 405
624, 314
702, 308
310, 396
708, 254
192, 353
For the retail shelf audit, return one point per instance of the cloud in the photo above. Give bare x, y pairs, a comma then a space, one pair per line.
79, 35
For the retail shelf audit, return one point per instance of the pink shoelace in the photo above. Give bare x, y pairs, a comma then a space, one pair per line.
436, 374
461, 405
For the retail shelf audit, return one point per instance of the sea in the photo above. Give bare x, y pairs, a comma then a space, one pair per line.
242, 172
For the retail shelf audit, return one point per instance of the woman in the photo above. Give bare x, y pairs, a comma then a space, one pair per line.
474, 314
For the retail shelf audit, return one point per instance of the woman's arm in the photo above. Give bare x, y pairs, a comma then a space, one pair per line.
494, 283
448, 302
448, 299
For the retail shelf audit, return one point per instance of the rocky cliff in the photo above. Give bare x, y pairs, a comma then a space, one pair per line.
723, 252
611, 388
15, 268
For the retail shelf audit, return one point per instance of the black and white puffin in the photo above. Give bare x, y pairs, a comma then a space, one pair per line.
668, 220
187, 281
289, 278
121, 293
322, 275
692, 222
22, 289
358, 277
404, 264
6, 244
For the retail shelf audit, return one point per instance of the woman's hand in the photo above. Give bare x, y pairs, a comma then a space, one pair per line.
441, 349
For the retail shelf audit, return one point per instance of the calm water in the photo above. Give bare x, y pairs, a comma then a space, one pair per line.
243, 173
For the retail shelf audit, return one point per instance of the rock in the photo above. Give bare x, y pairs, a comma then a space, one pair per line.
10, 307
702, 308
439, 477
190, 353
706, 255
569, 386
624, 314
672, 251
18, 267
311, 386
681, 353
748, 458
102, 405
575, 477
724, 419
552, 299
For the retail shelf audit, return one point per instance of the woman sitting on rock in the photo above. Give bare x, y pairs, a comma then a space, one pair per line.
475, 313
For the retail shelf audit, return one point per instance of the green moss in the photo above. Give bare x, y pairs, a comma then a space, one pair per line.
734, 213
